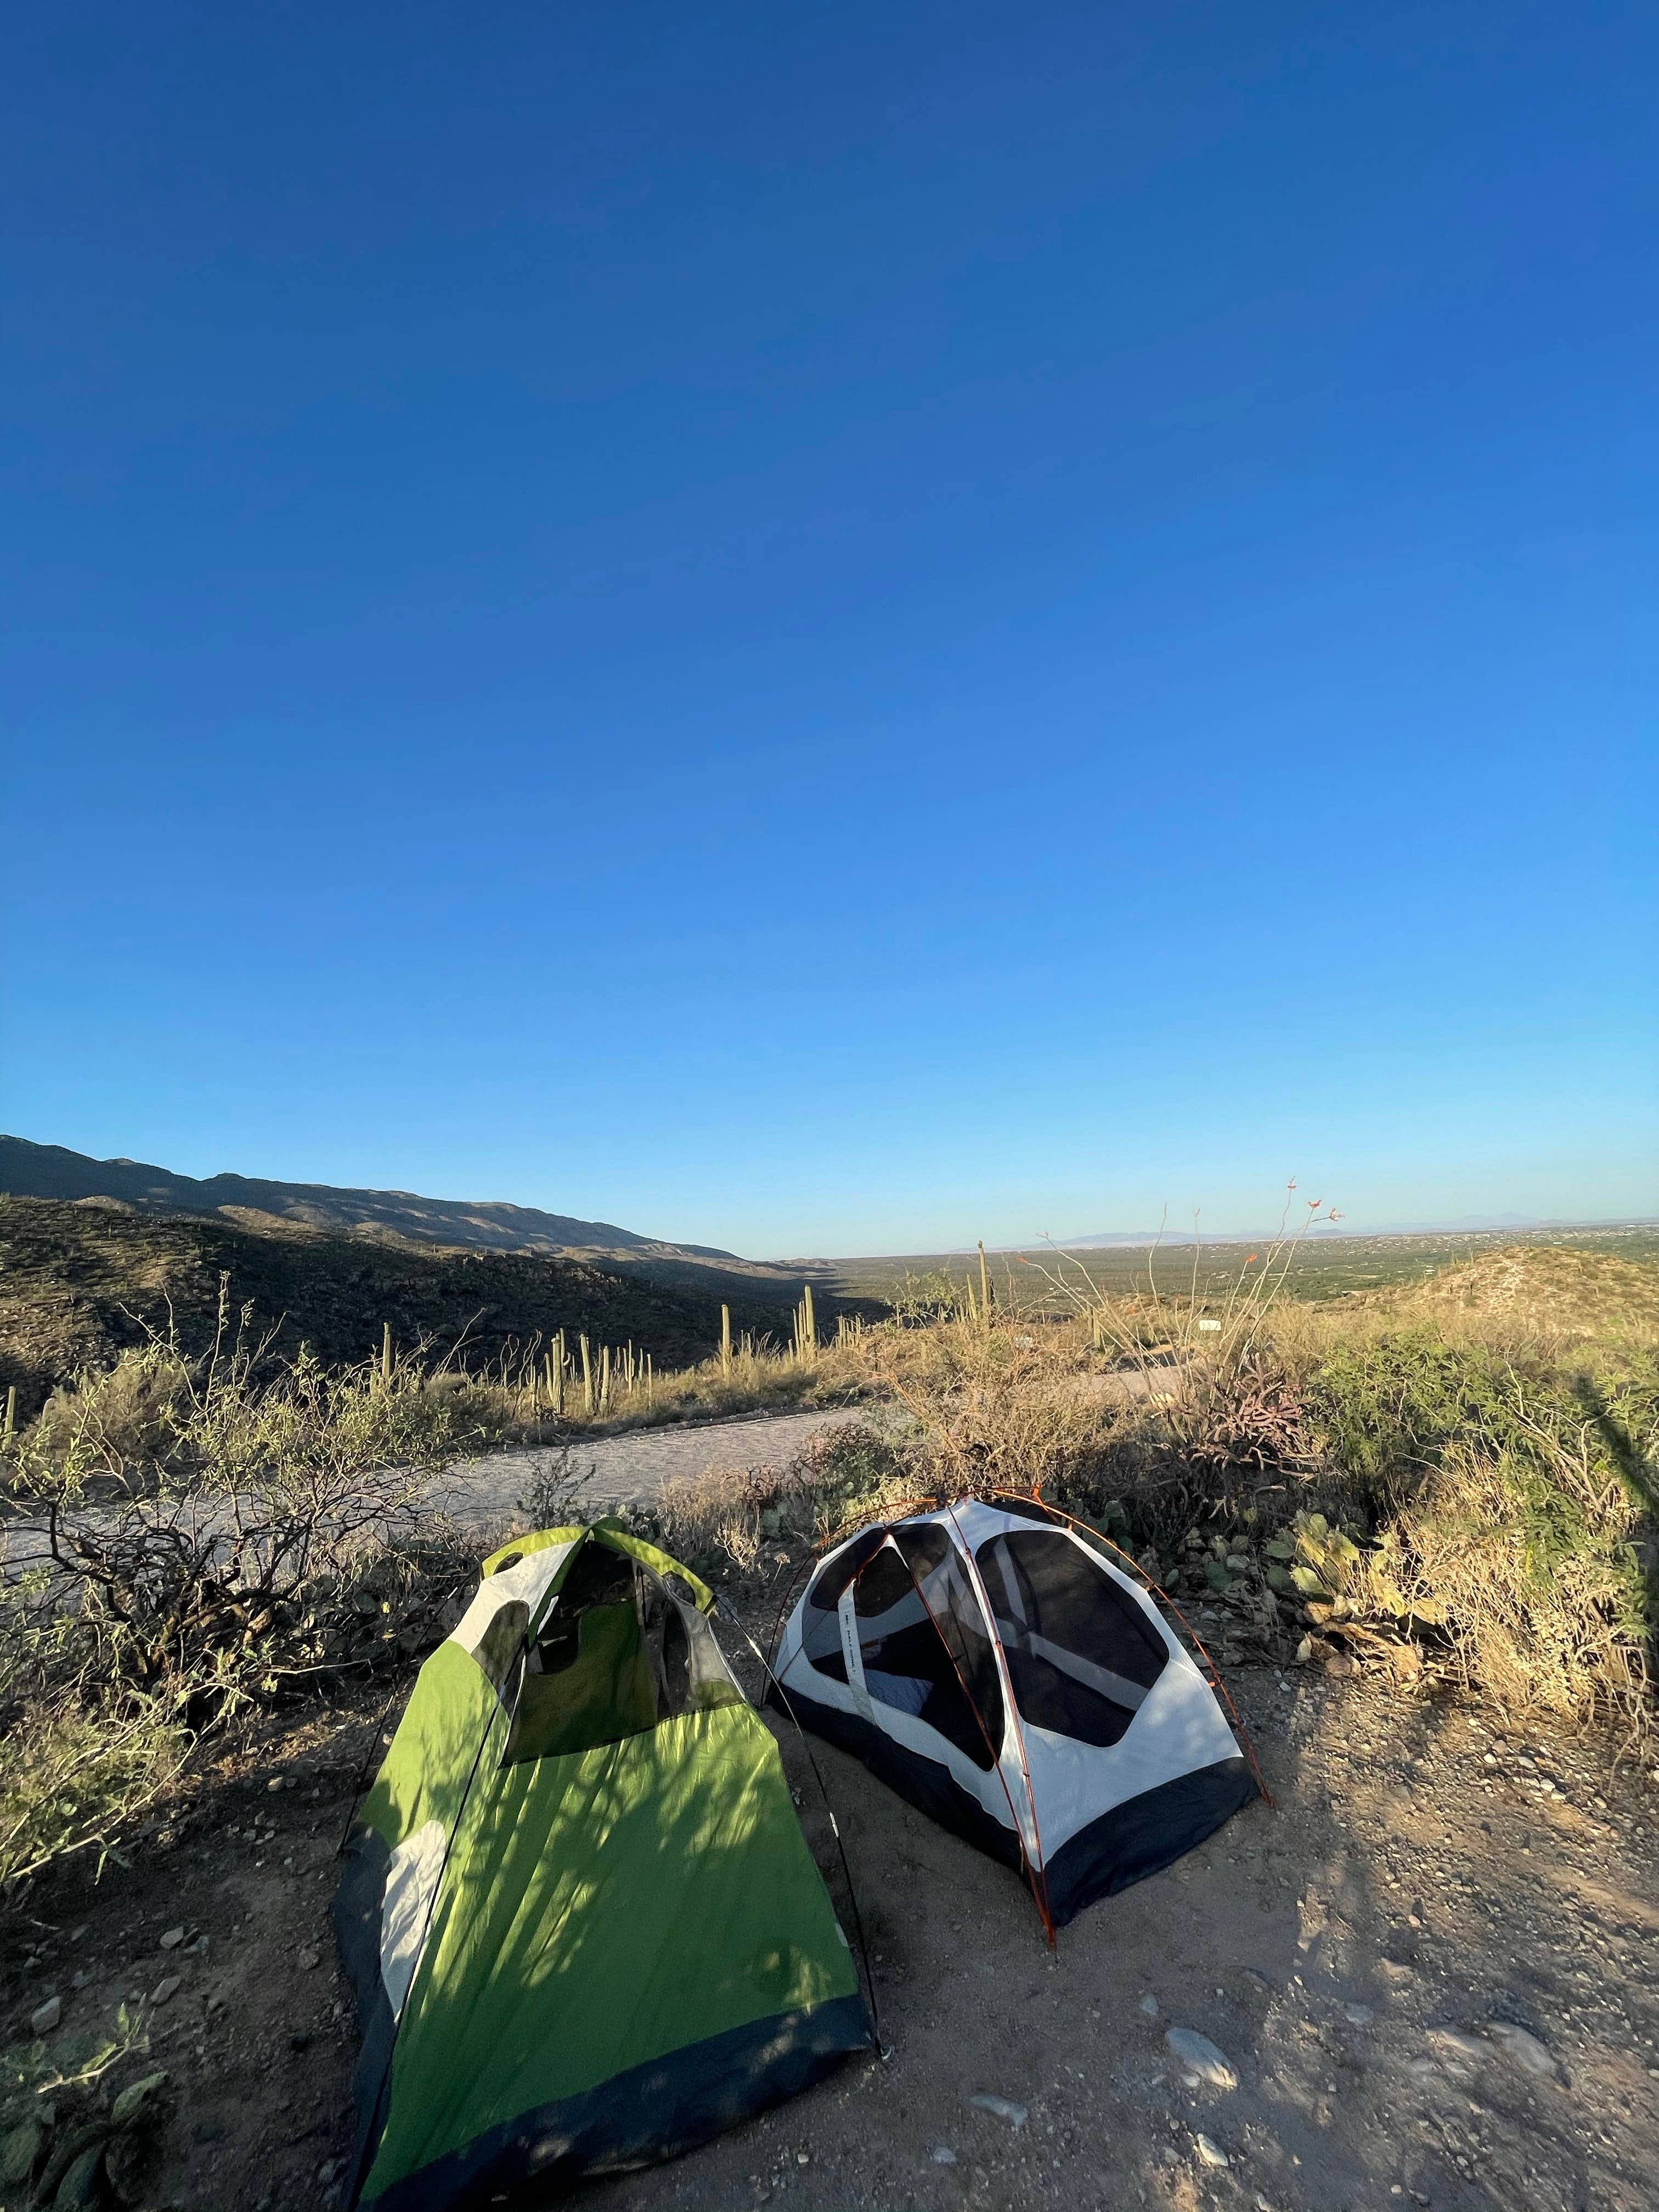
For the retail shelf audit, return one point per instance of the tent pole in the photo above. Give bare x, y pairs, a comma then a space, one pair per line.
1039, 1891
835, 1825
362, 1771
989, 1612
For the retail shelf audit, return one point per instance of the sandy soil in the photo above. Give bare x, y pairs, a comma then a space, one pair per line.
1424, 1882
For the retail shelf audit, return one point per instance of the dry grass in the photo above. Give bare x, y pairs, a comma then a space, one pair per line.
1551, 1293
514, 1402
1005, 1408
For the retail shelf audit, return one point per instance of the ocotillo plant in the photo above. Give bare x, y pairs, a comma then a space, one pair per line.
984, 1288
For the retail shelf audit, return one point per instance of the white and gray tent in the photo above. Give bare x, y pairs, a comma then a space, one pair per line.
998, 1671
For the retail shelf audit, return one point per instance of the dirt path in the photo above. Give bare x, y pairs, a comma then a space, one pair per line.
1353, 1954
1362, 1955
632, 1467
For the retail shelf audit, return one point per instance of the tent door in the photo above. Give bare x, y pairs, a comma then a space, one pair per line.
1011, 1762
957, 1590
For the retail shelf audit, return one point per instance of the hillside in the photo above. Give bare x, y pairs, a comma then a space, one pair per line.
1572, 1293
31, 1170
77, 1281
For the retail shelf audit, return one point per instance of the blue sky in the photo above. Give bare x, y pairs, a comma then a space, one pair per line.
837, 628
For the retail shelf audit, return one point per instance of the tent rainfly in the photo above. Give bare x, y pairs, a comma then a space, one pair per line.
583, 1924
998, 1671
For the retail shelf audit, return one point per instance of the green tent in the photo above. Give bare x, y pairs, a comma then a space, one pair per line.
583, 1924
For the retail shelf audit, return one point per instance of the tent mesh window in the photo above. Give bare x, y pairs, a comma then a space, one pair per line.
1081, 1656
822, 1642
905, 1608
617, 1654
942, 1576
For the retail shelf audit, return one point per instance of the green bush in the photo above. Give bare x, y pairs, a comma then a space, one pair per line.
1381, 1411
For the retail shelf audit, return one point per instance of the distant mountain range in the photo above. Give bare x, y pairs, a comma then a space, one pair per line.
403, 1218
30, 1170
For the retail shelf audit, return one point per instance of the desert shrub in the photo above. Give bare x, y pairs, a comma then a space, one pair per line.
554, 1497
254, 1533
125, 1419
258, 1506
1001, 1408
920, 1300
1382, 1409
852, 1470
78, 1762
74, 1777
1525, 1541
1245, 1418
1500, 1521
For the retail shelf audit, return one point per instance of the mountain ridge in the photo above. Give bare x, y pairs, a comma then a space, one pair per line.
31, 1170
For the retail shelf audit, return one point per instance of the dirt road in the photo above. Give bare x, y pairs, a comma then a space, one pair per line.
631, 1468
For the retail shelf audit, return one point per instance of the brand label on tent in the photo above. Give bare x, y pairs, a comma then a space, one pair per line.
851, 1654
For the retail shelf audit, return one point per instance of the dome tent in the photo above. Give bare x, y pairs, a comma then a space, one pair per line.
1000, 1672
582, 1919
